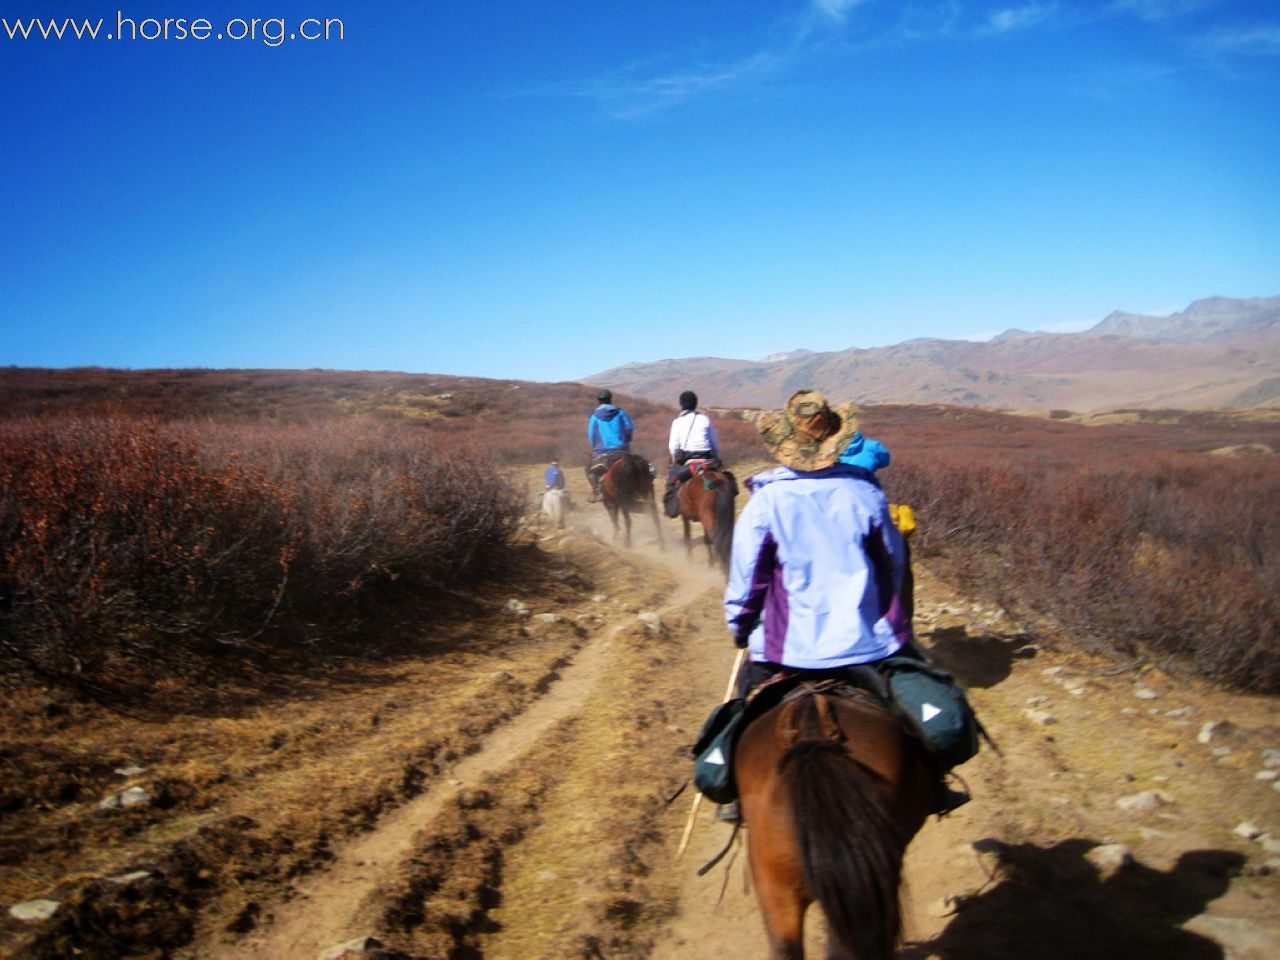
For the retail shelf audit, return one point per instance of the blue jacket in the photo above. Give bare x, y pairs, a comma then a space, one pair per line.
554, 477
609, 429
816, 570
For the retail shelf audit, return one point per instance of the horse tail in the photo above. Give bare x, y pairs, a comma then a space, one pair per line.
722, 535
850, 847
643, 474
621, 478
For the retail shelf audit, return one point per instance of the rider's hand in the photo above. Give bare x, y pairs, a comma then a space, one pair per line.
740, 642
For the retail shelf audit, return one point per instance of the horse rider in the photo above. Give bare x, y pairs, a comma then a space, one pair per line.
693, 437
554, 476
871, 455
609, 431
818, 568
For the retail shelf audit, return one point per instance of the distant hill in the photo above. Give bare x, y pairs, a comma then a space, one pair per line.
1210, 319
1217, 353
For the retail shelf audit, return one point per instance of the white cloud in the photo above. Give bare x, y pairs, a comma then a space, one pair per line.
1257, 41
642, 88
1061, 326
1068, 326
836, 9
818, 27
1156, 10
1014, 19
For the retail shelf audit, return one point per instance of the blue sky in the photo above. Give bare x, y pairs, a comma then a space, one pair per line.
545, 190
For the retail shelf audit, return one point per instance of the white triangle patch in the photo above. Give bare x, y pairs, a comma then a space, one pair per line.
715, 757
928, 711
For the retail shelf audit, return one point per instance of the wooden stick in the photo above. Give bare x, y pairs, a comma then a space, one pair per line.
697, 797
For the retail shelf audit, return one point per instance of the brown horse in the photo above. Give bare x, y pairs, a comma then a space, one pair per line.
707, 497
625, 488
832, 790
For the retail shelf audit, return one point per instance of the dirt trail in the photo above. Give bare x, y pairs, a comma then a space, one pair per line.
327, 908
719, 908
508, 799
1063, 852
333, 906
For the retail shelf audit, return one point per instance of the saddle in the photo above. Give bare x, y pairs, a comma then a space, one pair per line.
700, 465
713, 750
602, 463
602, 466
860, 682
681, 473
928, 703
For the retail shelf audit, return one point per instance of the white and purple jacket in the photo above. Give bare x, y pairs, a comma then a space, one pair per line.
816, 570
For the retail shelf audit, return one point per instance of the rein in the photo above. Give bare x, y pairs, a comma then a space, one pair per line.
706, 867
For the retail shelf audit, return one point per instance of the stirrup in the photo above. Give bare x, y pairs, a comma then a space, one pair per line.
671, 502
954, 799
950, 799
729, 812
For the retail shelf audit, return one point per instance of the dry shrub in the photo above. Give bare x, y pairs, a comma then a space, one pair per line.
1171, 557
131, 550
115, 541
377, 502
739, 438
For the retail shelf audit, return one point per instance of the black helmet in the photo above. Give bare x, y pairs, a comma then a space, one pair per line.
688, 400
604, 396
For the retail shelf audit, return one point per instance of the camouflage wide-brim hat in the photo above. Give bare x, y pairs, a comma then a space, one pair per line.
809, 434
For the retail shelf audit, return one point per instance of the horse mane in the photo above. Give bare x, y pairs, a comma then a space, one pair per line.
850, 846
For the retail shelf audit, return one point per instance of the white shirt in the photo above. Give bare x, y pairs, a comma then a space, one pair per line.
693, 430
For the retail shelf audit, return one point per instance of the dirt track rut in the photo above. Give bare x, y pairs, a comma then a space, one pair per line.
541, 903
328, 908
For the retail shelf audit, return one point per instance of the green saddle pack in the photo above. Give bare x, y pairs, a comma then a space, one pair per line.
935, 707
713, 752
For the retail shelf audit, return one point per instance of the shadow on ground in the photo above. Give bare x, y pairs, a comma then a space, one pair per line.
976, 660
1052, 904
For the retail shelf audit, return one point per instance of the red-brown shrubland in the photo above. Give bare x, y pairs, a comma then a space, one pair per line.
154, 521
511, 421
306, 497
132, 550
1132, 537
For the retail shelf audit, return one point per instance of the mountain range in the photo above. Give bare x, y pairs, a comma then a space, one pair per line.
1219, 352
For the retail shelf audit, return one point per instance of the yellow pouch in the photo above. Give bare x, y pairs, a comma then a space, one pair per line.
904, 518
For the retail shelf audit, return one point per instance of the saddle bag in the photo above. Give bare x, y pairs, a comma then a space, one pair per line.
713, 752
935, 708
